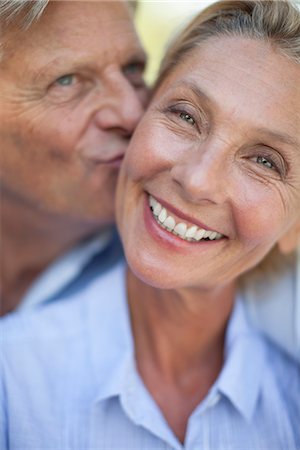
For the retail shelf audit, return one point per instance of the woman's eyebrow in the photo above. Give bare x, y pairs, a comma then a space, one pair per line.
199, 93
279, 136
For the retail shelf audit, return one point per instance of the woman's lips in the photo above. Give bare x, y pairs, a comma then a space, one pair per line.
164, 237
182, 215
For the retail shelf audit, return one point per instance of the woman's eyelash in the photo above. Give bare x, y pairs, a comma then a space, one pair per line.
187, 118
182, 114
267, 162
272, 162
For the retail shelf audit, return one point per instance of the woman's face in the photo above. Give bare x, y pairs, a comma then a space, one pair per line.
211, 180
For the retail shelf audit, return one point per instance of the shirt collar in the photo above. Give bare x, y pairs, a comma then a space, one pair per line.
239, 380
241, 377
65, 269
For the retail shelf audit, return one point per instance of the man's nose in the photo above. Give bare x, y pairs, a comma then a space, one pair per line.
203, 177
120, 106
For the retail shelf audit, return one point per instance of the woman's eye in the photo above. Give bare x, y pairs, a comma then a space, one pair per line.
187, 118
188, 114
265, 162
65, 80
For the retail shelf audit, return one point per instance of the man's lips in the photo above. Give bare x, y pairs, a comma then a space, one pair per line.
115, 161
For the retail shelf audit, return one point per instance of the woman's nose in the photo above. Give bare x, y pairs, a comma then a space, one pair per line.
203, 177
121, 106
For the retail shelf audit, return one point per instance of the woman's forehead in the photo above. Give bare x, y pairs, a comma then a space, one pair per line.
238, 75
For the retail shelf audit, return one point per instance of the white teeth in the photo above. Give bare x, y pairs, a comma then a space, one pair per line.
157, 209
162, 215
180, 229
152, 202
199, 235
193, 233
170, 223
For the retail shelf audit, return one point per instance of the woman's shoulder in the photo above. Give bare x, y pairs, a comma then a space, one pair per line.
272, 299
281, 385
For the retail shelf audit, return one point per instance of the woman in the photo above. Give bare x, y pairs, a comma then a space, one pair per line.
161, 355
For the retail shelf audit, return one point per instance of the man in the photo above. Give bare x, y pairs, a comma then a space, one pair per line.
72, 92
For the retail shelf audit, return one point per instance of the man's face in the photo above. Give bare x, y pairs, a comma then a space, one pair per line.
72, 92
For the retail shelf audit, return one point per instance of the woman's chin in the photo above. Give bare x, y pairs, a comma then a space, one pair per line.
152, 274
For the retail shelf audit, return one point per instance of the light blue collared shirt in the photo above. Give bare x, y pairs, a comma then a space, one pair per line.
69, 382
73, 270
272, 300
63, 271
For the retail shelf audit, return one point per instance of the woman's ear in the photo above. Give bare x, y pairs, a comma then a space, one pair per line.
290, 240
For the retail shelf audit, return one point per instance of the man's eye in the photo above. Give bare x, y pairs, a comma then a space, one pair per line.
65, 80
134, 68
187, 118
266, 162
134, 73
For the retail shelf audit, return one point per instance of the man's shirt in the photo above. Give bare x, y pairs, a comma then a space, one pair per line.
73, 270
69, 381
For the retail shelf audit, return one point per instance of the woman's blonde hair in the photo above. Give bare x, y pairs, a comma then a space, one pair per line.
274, 21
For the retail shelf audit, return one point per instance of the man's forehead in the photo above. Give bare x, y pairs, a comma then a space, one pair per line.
79, 28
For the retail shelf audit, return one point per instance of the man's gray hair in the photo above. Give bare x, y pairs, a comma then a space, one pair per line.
24, 11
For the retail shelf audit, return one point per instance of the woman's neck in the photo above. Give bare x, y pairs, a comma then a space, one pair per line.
169, 323
179, 344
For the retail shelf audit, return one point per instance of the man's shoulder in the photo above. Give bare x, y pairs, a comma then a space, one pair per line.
75, 270
64, 318
59, 351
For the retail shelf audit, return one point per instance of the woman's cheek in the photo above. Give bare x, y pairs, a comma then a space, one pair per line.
260, 216
151, 151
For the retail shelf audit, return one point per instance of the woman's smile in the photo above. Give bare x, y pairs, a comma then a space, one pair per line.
186, 230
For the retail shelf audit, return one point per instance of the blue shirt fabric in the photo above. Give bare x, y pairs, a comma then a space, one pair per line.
272, 303
74, 270
69, 381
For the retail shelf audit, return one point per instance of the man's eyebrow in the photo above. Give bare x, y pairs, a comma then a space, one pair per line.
54, 66
74, 61
139, 54
139, 57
